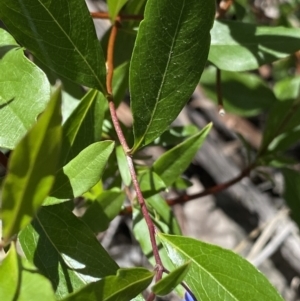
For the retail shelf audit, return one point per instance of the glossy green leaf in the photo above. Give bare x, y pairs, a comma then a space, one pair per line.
169, 56
218, 274
127, 284
83, 127
54, 35
65, 250
32, 168
103, 210
175, 161
114, 6
150, 183
83, 172
292, 192
237, 46
20, 281
123, 165
168, 283
24, 91
243, 94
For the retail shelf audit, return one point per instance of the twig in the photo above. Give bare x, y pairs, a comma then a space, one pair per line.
123, 142
105, 15
223, 8
208, 191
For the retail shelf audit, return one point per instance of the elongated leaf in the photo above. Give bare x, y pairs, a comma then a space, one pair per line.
32, 168
83, 172
237, 46
9, 275
103, 210
287, 89
127, 284
251, 95
175, 161
168, 283
54, 34
114, 6
169, 56
20, 281
123, 165
83, 127
65, 250
218, 274
24, 91
292, 192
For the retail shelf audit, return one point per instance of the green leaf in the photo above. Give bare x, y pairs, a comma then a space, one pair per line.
243, 94
123, 165
237, 46
103, 210
218, 274
24, 91
9, 275
168, 283
65, 250
83, 172
150, 183
168, 58
175, 161
292, 192
114, 7
83, 127
127, 284
20, 281
287, 89
54, 35
32, 168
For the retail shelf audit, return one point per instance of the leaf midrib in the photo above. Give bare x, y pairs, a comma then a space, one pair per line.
73, 44
163, 78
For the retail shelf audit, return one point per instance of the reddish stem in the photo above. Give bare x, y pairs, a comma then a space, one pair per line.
208, 191
105, 15
123, 142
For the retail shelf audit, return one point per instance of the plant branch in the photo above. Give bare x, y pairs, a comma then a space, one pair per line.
208, 191
223, 8
105, 15
123, 142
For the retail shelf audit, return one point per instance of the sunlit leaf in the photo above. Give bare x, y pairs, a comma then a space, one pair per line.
238, 46
217, 274
32, 168
24, 91
127, 284
169, 55
65, 250
54, 35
